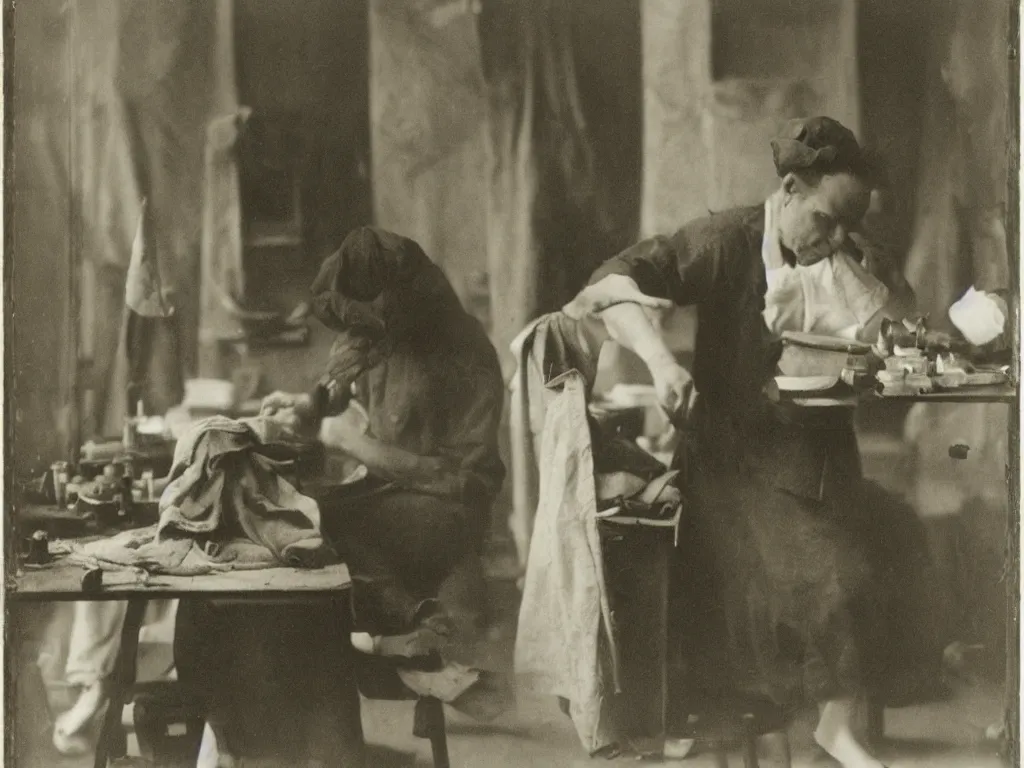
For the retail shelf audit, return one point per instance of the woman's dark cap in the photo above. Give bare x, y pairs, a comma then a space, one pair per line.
823, 145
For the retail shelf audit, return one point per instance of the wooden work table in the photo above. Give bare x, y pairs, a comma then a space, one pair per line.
61, 580
1005, 393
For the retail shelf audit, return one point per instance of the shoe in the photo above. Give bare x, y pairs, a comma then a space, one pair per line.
67, 730
70, 744
677, 749
421, 642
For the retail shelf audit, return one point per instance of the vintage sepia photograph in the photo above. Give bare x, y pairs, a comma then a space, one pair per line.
511, 383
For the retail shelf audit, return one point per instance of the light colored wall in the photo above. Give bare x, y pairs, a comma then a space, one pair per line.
709, 114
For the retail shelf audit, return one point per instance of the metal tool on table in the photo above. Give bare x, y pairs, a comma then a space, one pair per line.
92, 581
918, 361
61, 471
37, 548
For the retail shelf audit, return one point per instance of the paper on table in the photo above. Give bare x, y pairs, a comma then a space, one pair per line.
979, 316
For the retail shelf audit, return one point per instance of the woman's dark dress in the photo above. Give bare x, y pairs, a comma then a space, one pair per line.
783, 558
435, 390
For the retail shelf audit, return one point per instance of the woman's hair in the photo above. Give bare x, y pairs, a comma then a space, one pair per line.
820, 146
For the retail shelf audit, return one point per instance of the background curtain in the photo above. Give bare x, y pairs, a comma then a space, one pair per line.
111, 101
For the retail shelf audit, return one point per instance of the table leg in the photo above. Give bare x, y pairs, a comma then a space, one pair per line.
429, 724
111, 743
749, 742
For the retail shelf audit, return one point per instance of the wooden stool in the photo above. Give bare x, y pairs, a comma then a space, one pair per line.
379, 680
428, 723
160, 709
739, 724
157, 705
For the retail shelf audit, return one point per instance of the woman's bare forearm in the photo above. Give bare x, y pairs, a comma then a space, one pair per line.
426, 473
630, 326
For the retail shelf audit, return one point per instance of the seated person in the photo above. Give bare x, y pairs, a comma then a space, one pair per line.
430, 382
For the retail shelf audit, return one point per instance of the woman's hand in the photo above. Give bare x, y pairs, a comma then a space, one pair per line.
345, 432
292, 411
674, 387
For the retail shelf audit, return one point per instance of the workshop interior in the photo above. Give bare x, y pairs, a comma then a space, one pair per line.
511, 383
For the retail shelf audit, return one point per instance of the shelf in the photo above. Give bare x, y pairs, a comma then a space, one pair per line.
1001, 394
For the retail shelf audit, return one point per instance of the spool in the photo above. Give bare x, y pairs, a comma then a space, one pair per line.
38, 549
61, 471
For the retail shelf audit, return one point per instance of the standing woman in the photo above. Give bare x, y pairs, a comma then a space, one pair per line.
783, 560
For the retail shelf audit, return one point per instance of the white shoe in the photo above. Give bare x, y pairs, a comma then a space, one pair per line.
420, 642
67, 730
70, 744
677, 749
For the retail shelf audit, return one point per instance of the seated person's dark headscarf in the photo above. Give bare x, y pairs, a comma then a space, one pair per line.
379, 290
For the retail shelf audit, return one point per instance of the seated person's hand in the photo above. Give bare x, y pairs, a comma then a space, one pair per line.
344, 431
294, 412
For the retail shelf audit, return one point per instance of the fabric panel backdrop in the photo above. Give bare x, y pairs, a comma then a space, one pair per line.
427, 115
550, 218
37, 264
115, 97
961, 190
959, 241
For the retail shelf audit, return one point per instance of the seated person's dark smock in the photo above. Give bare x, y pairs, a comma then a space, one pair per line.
430, 381
786, 548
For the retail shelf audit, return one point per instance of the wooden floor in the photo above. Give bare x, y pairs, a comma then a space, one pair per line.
536, 733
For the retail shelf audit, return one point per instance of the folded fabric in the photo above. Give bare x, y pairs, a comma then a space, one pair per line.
140, 550
226, 485
226, 507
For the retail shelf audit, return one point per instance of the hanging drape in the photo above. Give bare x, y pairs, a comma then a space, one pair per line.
113, 98
426, 122
221, 273
960, 240
959, 237
542, 185
38, 263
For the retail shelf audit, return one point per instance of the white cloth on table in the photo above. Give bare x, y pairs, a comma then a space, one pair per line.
980, 316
